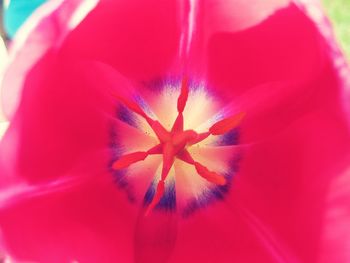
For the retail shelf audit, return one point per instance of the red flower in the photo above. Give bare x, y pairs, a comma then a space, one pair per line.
173, 131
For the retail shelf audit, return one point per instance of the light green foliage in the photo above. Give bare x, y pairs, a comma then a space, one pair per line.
339, 12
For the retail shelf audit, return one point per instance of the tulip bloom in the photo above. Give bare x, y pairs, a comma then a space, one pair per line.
174, 131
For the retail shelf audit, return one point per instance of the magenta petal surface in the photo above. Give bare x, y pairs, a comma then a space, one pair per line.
43, 33
259, 57
46, 119
74, 224
139, 38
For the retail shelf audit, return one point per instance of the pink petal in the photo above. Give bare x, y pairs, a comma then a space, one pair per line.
336, 230
155, 237
140, 39
220, 234
284, 180
66, 115
284, 47
43, 32
90, 222
62, 119
277, 205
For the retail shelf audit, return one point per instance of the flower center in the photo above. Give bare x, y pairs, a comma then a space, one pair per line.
174, 144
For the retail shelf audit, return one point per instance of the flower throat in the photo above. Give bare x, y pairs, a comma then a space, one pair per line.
174, 144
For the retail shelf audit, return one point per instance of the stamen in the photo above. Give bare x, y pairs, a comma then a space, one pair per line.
225, 125
157, 196
178, 124
209, 175
127, 160
168, 159
182, 100
158, 149
186, 157
133, 106
181, 104
201, 169
220, 128
200, 137
131, 158
162, 134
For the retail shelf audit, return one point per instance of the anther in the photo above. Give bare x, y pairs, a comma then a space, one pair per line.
131, 158
209, 175
126, 160
202, 170
182, 100
181, 104
225, 125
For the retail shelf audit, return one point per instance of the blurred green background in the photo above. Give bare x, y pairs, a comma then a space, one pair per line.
339, 12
